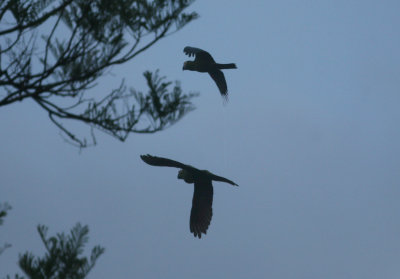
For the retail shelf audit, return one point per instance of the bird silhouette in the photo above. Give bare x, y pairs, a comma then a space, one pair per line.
204, 63
201, 213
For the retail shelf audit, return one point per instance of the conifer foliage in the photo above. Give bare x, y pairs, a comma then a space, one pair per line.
54, 52
63, 258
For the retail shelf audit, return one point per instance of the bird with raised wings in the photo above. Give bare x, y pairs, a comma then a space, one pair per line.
204, 63
201, 213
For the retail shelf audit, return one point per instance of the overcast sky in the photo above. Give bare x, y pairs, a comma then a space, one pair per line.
311, 134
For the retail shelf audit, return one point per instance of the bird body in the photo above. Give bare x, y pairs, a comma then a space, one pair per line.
198, 67
205, 63
201, 213
203, 67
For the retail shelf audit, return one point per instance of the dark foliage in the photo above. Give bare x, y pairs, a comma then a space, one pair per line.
4, 207
54, 51
63, 258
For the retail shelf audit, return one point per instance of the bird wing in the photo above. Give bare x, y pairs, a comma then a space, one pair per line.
219, 78
163, 162
200, 55
201, 214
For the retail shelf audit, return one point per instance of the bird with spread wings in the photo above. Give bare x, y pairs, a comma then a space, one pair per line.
201, 213
204, 63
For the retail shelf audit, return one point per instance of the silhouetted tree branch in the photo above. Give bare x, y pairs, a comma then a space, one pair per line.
63, 257
54, 51
4, 207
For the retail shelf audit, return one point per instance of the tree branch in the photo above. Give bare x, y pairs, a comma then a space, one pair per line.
87, 38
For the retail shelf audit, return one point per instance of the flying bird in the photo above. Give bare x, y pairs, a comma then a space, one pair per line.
204, 63
201, 214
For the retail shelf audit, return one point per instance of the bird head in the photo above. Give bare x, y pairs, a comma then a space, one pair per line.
188, 65
186, 176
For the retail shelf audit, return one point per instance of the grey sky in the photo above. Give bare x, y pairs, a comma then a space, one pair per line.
311, 135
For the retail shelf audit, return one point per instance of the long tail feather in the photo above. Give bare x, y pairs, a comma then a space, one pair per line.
226, 66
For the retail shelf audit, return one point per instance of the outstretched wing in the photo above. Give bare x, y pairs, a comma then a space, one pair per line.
219, 78
201, 214
201, 55
163, 162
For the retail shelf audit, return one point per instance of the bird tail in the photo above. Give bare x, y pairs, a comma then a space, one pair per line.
222, 179
226, 66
